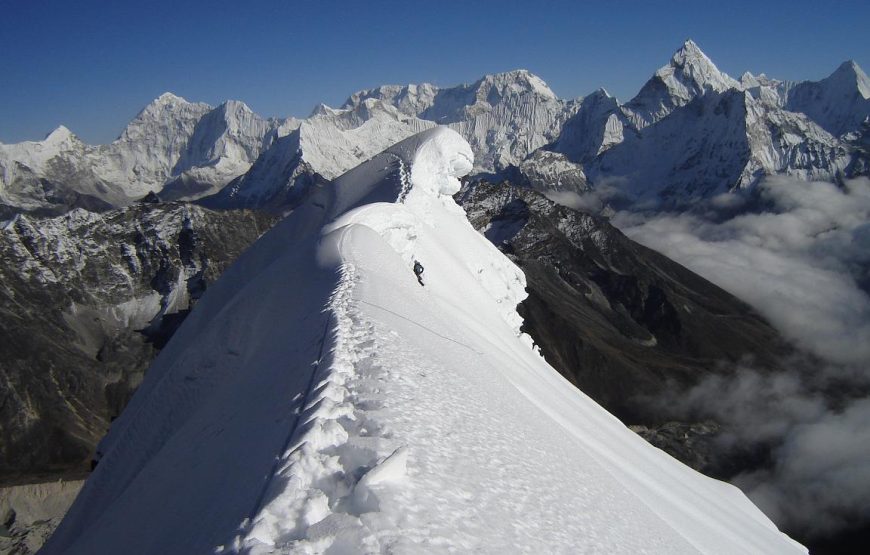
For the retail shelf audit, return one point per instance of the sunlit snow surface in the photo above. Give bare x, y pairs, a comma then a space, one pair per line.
320, 400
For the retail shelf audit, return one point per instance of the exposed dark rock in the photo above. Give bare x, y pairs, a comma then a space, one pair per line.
691, 443
619, 320
86, 302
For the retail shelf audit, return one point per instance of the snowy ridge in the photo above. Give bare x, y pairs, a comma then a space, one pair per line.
359, 411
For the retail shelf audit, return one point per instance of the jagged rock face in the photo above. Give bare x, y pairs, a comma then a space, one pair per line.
86, 301
30, 513
691, 443
551, 171
617, 319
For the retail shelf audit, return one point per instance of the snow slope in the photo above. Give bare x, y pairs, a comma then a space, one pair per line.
319, 400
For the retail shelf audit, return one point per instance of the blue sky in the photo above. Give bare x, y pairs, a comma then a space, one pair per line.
92, 65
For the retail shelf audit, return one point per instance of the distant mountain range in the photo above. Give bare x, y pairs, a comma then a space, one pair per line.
692, 132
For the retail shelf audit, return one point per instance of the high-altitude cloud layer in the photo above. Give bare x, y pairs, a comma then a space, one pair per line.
801, 258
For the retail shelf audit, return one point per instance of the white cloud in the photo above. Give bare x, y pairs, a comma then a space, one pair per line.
797, 264
803, 261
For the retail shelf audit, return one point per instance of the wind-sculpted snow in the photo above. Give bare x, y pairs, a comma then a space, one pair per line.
318, 399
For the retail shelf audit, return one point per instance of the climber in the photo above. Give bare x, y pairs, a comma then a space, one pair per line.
418, 271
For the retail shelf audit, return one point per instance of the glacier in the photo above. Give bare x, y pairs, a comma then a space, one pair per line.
317, 399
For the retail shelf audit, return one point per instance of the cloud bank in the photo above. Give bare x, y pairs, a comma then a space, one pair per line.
799, 252
802, 263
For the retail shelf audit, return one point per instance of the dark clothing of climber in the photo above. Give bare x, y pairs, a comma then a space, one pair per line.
418, 271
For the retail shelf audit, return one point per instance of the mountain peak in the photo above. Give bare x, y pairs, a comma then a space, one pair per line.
518, 81
171, 102
59, 136
688, 74
61, 132
693, 65
690, 49
235, 107
850, 74
169, 98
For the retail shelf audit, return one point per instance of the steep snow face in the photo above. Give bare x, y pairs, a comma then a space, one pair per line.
598, 125
689, 73
224, 144
360, 411
839, 103
504, 116
142, 158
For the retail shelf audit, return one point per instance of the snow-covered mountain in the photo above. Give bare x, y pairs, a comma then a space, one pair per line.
505, 117
840, 103
359, 410
599, 123
190, 148
689, 74
717, 143
693, 132
325, 145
